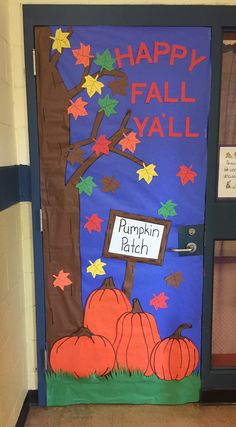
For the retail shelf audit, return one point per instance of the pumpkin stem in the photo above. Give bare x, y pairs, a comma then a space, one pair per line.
177, 333
136, 308
84, 332
108, 283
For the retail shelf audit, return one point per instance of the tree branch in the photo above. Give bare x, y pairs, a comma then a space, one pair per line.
115, 138
127, 156
78, 88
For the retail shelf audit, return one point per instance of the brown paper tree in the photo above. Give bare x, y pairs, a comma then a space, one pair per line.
61, 202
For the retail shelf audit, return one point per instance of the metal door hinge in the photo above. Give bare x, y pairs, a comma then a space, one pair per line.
45, 360
41, 219
34, 63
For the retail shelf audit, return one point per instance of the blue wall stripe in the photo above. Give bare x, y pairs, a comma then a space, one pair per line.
14, 185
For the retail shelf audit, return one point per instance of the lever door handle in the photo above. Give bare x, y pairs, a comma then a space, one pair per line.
190, 248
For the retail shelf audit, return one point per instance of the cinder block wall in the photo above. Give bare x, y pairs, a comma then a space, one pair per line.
17, 303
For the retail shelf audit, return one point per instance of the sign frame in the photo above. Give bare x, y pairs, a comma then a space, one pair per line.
111, 222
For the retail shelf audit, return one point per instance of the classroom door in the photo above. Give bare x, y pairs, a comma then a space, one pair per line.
122, 119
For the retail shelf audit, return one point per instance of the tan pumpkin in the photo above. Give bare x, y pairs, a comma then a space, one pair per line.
103, 308
137, 334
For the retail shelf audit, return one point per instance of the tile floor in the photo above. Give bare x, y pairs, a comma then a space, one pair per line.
190, 415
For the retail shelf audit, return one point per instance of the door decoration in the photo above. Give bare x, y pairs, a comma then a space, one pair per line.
122, 115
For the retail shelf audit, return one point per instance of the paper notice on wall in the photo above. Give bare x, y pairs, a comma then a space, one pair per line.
227, 172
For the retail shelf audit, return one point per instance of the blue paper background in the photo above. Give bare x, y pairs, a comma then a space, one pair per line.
168, 154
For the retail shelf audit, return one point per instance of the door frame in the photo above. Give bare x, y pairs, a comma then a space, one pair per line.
216, 17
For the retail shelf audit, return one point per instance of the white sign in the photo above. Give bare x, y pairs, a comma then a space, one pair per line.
136, 238
227, 172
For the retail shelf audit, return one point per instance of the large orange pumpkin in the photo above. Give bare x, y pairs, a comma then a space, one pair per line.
175, 357
137, 334
103, 308
82, 355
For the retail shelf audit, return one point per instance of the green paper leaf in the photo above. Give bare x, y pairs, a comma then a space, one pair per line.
86, 185
108, 105
167, 209
105, 60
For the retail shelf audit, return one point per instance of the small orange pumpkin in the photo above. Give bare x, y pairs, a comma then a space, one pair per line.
103, 308
175, 357
82, 355
137, 334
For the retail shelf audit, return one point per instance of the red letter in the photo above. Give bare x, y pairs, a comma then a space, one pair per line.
195, 60
158, 51
171, 132
141, 126
175, 54
153, 93
166, 93
189, 134
135, 92
183, 94
128, 55
143, 53
156, 127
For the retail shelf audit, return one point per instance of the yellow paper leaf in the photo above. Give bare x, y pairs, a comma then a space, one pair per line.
147, 173
92, 85
60, 40
96, 268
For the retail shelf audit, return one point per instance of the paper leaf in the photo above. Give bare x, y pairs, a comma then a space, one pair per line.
77, 108
61, 280
147, 173
186, 174
105, 60
159, 301
96, 268
92, 85
108, 105
93, 223
118, 86
129, 142
75, 154
174, 279
60, 40
86, 185
109, 184
167, 209
101, 145
83, 54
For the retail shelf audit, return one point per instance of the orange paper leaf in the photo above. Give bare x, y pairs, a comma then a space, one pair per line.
186, 174
101, 145
93, 223
83, 54
61, 280
77, 108
129, 142
159, 301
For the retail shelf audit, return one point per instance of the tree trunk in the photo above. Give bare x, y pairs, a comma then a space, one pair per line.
60, 203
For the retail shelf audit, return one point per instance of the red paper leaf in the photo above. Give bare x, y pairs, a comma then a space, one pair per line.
61, 280
159, 301
83, 54
129, 142
186, 174
101, 145
77, 108
93, 223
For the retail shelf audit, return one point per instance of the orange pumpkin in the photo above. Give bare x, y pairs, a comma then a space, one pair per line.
82, 355
175, 357
103, 308
137, 334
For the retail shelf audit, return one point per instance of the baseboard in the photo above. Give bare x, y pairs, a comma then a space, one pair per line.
31, 399
218, 396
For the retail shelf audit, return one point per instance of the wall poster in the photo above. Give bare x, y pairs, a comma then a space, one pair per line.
123, 116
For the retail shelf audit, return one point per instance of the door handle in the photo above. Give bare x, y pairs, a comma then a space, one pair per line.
190, 248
